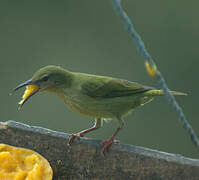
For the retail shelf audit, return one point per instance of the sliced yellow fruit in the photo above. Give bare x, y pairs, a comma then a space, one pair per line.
23, 164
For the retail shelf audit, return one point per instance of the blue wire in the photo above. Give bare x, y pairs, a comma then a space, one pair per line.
142, 50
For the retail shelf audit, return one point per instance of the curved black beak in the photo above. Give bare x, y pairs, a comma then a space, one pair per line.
28, 82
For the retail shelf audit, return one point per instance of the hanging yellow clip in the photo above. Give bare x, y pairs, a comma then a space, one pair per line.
152, 70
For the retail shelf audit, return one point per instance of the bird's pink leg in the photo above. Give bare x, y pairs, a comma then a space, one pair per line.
109, 141
82, 133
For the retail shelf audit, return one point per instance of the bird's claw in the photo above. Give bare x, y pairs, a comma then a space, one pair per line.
107, 143
74, 136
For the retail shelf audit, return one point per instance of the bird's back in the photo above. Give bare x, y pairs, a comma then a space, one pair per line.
101, 96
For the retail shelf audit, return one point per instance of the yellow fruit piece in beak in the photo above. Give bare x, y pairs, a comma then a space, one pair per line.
30, 89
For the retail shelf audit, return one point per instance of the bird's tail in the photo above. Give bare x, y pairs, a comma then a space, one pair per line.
157, 92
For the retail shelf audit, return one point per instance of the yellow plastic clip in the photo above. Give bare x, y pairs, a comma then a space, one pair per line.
152, 70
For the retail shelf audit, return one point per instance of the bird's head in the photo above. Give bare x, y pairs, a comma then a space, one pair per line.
49, 78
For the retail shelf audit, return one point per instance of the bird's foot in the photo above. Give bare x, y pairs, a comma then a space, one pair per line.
107, 143
74, 136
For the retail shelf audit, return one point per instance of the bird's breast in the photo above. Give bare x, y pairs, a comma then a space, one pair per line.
102, 107
87, 106
78, 105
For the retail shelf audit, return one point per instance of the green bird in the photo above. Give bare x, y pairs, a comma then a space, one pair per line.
99, 97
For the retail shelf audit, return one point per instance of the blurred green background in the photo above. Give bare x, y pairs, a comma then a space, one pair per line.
87, 36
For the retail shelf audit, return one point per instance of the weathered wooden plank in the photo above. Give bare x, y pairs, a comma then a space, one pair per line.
83, 159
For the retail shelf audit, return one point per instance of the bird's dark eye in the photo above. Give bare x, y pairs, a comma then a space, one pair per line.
45, 78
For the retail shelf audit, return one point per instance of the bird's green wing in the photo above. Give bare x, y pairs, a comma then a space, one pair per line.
101, 87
